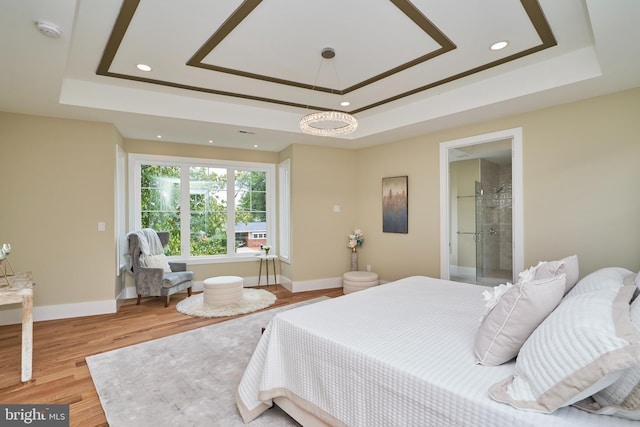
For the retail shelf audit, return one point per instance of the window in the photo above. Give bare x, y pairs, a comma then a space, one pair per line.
211, 208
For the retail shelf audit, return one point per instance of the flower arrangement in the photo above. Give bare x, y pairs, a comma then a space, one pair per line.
493, 296
266, 249
355, 239
4, 258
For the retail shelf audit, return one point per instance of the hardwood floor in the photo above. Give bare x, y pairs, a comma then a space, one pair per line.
60, 372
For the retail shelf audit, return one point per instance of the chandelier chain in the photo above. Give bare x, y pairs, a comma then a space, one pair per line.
328, 123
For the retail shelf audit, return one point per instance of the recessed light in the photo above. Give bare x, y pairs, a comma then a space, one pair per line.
345, 103
143, 67
499, 45
255, 145
211, 141
159, 136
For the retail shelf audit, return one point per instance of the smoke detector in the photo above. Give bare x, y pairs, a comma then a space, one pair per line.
49, 29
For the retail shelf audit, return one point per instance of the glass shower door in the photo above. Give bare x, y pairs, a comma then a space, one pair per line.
479, 204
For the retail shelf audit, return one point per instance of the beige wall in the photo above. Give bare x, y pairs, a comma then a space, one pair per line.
581, 193
580, 196
58, 183
394, 255
322, 178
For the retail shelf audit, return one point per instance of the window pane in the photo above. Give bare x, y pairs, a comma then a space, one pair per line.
251, 214
208, 208
219, 204
160, 202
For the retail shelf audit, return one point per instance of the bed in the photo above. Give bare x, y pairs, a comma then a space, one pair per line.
399, 354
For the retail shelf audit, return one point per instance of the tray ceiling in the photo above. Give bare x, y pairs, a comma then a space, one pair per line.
255, 65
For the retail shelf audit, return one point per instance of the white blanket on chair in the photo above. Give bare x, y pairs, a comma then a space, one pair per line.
149, 242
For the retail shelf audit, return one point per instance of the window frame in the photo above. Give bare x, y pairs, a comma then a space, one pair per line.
284, 210
136, 160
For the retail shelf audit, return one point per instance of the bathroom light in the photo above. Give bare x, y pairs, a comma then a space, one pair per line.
143, 67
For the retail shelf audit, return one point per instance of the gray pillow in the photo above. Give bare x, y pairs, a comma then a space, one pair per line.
516, 315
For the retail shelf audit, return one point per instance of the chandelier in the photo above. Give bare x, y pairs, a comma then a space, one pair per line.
328, 123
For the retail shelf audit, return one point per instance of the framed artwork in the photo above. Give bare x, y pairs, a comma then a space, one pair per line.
395, 204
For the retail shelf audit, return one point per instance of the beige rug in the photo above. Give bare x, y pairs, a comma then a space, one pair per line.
186, 379
252, 300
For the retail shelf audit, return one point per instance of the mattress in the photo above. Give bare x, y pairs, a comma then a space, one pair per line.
395, 354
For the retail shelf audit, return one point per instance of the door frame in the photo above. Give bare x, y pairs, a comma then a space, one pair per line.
515, 135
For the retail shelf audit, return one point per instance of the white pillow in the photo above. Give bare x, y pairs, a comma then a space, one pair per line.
568, 266
528, 274
633, 279
157, 261
622, 398
610, 277
516, 315
581, 348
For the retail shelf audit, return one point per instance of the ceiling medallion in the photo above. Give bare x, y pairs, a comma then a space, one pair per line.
328, 123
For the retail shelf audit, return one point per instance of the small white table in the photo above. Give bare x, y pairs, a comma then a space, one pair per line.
19, 289
265, 259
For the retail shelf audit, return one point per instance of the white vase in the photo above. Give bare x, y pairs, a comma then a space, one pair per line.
354, 259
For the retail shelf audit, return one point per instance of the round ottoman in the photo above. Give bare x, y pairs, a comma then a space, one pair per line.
353, 281
222, 290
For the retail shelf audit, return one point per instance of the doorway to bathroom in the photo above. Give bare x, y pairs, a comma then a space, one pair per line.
481, 208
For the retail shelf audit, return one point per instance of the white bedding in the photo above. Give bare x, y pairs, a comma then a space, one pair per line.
399, 354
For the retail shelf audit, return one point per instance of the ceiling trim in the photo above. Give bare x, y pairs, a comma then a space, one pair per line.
129, 7
540, 23
248, 6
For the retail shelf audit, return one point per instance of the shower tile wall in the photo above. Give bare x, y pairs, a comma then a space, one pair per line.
497, 217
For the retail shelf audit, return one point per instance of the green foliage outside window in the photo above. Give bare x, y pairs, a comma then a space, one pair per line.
208, 207
161, 196
251, 187
160, 202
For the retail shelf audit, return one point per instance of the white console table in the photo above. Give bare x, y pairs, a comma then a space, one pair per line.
18, 288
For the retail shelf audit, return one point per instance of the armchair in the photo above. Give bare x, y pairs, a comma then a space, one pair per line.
155, 279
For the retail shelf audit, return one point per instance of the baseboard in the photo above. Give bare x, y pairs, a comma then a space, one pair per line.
92, 308
61, 311
298, 286
313, 285
130, 291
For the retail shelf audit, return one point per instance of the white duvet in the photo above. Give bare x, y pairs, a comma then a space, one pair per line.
399, 354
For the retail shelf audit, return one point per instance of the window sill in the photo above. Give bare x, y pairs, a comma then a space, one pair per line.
221, 259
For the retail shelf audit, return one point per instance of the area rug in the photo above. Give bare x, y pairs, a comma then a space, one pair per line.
187, 379
252, 300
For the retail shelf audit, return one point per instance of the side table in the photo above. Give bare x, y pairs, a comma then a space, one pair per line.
264, 259
19, 289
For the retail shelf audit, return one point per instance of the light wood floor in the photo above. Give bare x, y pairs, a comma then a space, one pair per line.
60, 372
